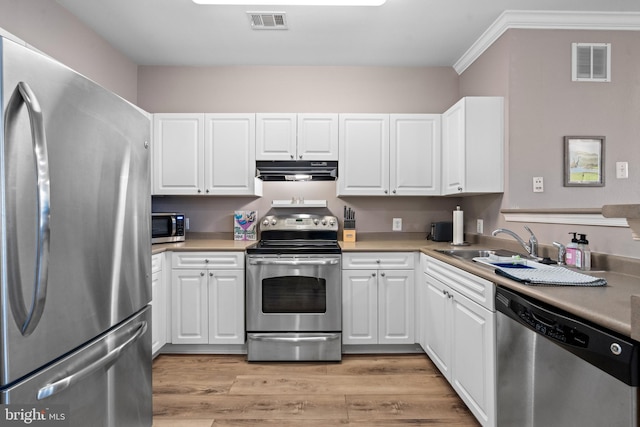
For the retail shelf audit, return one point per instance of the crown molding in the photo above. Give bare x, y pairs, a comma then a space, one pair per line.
547, 20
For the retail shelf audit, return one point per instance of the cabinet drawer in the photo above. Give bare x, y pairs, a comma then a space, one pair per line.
156, 263
228, 260
471, 286
387, 260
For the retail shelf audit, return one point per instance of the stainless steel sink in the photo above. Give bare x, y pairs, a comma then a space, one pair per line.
470, 254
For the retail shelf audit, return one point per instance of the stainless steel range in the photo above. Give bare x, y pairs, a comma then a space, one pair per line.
294, 289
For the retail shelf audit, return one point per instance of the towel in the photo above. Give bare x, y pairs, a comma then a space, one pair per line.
556, 276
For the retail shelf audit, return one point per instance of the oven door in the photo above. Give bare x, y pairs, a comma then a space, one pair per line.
294, 293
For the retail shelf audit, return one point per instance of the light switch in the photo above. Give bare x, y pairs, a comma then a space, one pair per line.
622, 170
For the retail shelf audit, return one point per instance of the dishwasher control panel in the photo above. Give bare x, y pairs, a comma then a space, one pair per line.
550, 327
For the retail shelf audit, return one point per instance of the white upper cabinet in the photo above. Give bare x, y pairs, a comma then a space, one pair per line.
382, 154
290, 136
317, 137
473, 146
415, 155
204, 154
276, 137
178, 153
230, 155
363, 169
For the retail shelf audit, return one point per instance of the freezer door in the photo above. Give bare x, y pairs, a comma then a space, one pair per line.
107, 383
75, 209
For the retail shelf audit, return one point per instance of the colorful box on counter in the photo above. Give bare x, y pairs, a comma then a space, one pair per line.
244, 225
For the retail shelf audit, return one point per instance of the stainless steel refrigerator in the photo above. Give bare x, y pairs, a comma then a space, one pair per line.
74, 244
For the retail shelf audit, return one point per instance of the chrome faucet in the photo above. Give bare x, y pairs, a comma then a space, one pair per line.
562, 252
531, 247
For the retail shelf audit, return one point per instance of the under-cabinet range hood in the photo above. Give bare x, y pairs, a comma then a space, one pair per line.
298, 170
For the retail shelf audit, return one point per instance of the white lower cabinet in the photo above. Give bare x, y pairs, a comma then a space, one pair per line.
460, 334
378, 298
207, 298
158, 304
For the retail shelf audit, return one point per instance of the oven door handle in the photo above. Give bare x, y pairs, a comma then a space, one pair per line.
264, 261
296, 339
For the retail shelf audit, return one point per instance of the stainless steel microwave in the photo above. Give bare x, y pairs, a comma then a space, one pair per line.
167, 227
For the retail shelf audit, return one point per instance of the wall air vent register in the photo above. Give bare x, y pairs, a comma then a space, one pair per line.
591, 62
268, 20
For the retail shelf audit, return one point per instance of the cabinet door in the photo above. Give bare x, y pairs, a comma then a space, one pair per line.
226, 307
317, 136
415, 155
359, 307
396, 302
473, 357
158, 314
230, 154
363, 169
453, 149
276, 136
178, 153
438, 326
189, 310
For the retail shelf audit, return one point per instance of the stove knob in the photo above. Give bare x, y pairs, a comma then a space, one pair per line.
316, 221
265, 222
324, 221
274, 221
332, 222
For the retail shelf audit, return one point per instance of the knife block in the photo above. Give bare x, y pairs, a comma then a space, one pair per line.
348, 235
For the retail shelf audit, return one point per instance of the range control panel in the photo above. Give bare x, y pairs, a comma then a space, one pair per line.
301, 222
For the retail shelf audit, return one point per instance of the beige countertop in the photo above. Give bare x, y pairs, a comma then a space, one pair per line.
609, 306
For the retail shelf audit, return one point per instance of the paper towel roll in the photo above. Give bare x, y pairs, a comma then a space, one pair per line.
458, 226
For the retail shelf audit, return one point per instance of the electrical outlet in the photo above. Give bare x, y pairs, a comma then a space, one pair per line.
479, 226
186, 223
622, 170
397, 224
538, 184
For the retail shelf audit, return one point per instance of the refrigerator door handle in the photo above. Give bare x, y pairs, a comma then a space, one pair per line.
28, 320
105, 362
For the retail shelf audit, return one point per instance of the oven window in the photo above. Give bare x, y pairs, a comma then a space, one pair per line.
294, 294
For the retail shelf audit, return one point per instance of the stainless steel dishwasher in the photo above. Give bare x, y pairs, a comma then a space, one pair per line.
556, 370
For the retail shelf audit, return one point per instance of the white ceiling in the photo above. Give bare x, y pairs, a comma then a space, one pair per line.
399, 33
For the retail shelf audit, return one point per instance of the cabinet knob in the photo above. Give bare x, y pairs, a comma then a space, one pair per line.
382, 274
199, 191
378, 261
300, 156
206, 261
386, 191
373, 274
291, 156
394, 191
459, 188
207, 190
210, 274
201, 273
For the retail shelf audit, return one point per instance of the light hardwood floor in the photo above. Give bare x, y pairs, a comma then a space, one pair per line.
363, 390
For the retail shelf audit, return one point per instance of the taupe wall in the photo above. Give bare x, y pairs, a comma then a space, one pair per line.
297, 89
48, 27
532, 69
303, 89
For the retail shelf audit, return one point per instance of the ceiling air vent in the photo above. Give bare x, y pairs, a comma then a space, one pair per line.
591, 62
268, 20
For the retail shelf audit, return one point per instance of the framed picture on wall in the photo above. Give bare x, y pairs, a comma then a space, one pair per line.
584, 161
